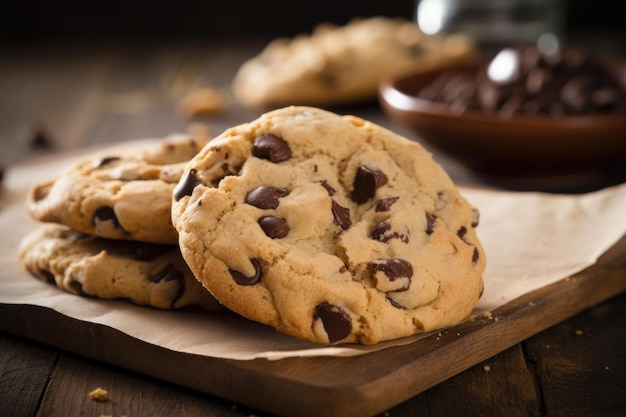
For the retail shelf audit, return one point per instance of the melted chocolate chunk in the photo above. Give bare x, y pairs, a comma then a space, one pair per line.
274, 227
186, 185
272, 148
169, 273
331, 191
430, 223
241, 279
394, 268
104, 214
335, 320
380, 233
385, 204
264, 197
341, 215
107, 160
366, 181
461, 232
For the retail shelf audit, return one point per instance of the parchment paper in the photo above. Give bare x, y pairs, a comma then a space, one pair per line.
530, 240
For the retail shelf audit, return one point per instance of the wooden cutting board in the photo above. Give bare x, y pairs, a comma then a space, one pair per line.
333, 386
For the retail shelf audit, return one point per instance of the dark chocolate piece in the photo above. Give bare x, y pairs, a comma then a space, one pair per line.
430, 223
366, 181
274, 227
186, 185
341, 215
331, 191
394, 268
385, 204
265, 197
169, 273
106, 214
335, 320
381, 234
272, 148
241, 279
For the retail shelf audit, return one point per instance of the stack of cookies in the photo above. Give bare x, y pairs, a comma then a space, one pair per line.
107, 231
328, 228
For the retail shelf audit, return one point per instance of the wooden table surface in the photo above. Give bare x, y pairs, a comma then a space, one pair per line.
62, 97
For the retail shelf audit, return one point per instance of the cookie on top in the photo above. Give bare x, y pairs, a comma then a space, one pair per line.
329, 228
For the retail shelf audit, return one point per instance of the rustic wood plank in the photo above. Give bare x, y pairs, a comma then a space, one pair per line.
500, 385
356, 386
580, 364
128, 394
24, 372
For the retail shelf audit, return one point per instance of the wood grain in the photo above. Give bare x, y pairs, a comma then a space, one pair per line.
344, 387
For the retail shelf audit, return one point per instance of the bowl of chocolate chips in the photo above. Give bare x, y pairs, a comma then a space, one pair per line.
521, 111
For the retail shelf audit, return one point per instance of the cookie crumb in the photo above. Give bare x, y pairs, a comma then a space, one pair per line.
606, 368
99, 394
487, 368
579, 332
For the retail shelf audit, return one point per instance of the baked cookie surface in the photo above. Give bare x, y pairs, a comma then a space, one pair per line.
328, 228
146, 274
118, 193
343, 64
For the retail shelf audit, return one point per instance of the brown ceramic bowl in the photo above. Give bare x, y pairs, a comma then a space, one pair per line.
518, 145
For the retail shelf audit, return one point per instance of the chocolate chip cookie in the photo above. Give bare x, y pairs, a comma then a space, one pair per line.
118, 193
328, 228
146, 274
343, 64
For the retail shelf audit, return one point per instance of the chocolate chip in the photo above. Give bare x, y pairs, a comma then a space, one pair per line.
394, 268
241, 279
395, 303
381, 234
336, 321
169, 273
476, 219
341, 215
385, 204
186, 185
461, 232
106, 214
475, 255
271, 147
265, 197
331, 191
366, 181
430, 223
274, 227
106, 160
